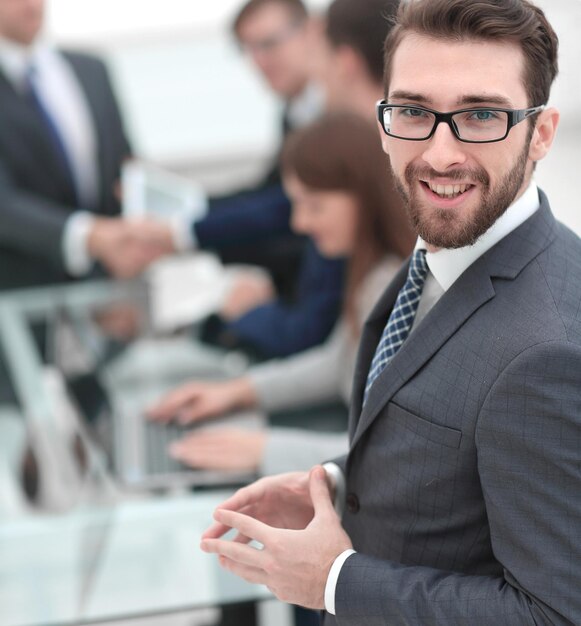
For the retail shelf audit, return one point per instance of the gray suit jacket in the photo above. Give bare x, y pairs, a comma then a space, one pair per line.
464, 473
36, 195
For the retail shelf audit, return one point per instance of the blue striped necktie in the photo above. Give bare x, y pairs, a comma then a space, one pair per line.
401, 319
52, 128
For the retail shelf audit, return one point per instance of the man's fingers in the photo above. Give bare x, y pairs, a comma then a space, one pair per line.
215, 530
240, 538
319, 490
235, 551
247, 572
244, 524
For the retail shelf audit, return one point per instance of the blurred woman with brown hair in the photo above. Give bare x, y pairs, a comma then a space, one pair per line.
339, 182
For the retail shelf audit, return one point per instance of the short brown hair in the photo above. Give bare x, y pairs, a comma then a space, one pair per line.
296, 8
515, 21
342, 151
362, 25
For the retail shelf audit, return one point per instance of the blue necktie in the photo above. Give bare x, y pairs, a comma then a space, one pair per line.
401, 319
52, 128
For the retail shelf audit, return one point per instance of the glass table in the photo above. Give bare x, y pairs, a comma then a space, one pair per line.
133, 559
94, 552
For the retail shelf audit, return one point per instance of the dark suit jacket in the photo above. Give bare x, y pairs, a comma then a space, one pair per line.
36, 196
464, 473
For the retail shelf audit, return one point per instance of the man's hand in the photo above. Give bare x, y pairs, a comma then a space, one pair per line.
197, 400
249, 290
126, 248
295, 560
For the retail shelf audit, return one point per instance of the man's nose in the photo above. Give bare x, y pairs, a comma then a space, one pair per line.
444, 150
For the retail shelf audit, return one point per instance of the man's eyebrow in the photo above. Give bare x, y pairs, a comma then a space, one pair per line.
466, 100
497, 100
409, 96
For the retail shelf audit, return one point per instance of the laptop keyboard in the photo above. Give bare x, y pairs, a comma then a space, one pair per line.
158, 438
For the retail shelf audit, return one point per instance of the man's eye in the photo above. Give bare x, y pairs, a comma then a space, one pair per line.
413, 112
484, 116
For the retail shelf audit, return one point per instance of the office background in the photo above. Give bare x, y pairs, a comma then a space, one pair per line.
193, 103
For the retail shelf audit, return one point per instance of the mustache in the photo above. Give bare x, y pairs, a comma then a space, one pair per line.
425, 173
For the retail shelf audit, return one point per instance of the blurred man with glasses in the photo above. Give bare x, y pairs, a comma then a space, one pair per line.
459, 497
253, 225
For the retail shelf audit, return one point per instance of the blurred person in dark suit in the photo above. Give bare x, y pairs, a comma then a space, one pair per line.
62, 143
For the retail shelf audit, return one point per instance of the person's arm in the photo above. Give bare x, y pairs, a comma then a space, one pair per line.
529, 449
31, 223
316, 372
243, 219
280, 329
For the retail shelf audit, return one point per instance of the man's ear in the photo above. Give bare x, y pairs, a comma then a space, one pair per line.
543, 134
383, 137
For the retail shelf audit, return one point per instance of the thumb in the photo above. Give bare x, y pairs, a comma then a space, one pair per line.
319, 490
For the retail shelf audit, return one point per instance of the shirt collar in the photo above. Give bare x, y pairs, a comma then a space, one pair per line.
16, 59
447, 265
306, 107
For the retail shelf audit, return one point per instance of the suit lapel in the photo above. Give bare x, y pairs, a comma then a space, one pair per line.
371, 334
470, 292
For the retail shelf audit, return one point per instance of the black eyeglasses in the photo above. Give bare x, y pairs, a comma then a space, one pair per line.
478, 125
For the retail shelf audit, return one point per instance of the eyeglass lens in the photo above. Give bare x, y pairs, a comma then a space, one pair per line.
476, 125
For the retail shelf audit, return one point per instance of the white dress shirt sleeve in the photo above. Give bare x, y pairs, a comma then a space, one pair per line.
76, 256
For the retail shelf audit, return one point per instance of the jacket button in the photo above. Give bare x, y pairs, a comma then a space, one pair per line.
352, 503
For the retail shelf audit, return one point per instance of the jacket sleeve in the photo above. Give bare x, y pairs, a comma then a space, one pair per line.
281, 329
244, 218
30, 222
529, 460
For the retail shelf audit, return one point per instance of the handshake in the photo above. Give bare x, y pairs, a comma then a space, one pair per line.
125, 247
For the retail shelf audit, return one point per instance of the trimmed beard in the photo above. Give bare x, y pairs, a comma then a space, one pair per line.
438, 227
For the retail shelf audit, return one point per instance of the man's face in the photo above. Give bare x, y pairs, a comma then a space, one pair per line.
446, 76
279, 47
21, 20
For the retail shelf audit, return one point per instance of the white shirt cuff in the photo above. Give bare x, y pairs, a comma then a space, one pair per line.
332, 579
336, 474
76, 257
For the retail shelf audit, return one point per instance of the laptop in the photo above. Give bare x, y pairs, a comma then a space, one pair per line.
131, 451
140, 377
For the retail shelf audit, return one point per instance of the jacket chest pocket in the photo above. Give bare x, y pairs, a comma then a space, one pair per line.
414, 465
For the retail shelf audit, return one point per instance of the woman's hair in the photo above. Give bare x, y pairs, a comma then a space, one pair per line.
342, 152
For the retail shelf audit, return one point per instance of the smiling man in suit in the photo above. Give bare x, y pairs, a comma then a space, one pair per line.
460, 493
62, 143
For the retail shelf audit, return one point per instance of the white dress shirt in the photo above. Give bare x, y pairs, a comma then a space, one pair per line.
445, 267
64, 99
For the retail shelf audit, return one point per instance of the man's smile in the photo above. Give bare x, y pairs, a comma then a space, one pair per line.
446, 192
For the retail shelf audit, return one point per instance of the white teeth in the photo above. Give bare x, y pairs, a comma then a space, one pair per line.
448, 191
